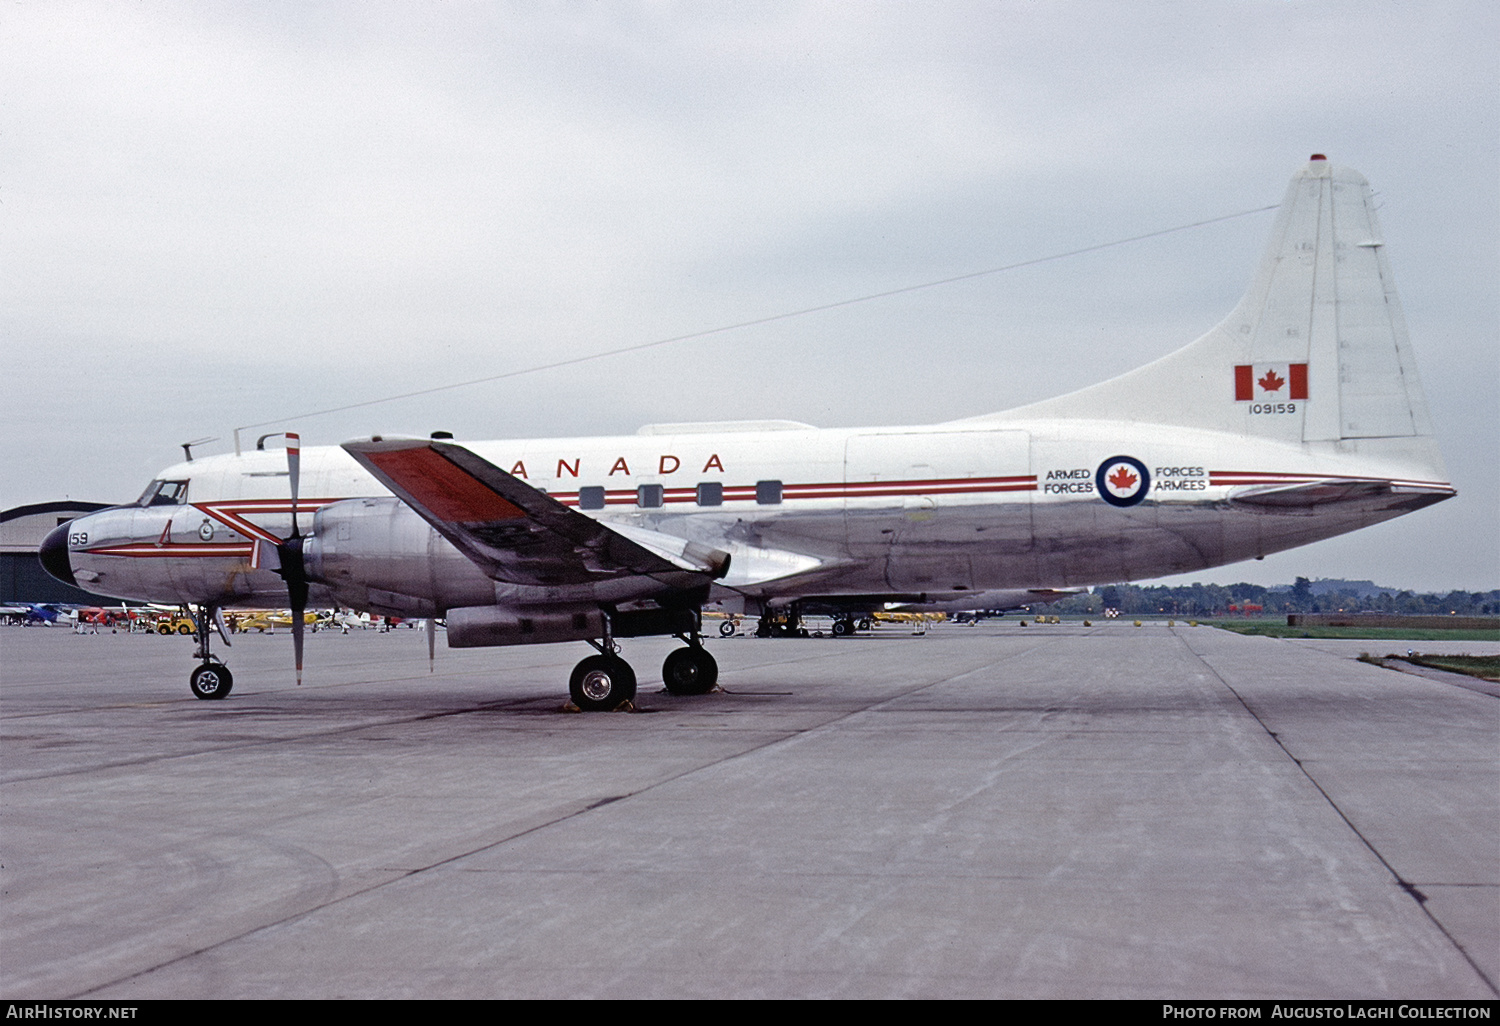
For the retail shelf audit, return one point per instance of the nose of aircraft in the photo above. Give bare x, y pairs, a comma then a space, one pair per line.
54, 554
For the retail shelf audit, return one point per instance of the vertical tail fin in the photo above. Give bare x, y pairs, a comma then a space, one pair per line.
1316, 352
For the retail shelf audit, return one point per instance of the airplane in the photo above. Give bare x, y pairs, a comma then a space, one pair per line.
1299, 417
45, 613
113, 617
263, 620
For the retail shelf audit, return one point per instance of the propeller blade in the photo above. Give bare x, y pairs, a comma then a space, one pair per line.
295, 576
294, 471
289, 552
298, 609
431, 643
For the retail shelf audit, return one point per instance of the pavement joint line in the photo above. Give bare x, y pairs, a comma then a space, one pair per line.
264, 743
1410, 888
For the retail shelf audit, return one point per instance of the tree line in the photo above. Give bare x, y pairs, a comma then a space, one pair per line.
1206, 600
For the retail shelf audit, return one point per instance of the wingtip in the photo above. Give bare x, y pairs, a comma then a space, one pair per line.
379, 443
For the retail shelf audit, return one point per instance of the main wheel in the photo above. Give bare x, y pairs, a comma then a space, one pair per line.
211, 680
601, 682
726, 628
690, 671
843, 628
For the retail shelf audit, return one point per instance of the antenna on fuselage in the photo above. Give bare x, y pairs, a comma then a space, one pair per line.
187, 447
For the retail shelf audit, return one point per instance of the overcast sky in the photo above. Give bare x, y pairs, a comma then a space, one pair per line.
217, 215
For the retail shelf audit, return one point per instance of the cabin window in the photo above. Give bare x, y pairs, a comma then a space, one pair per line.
649, 496
768, 493
591, 497
710, 493
164, 493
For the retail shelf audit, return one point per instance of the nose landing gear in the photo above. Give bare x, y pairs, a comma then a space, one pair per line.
212, 680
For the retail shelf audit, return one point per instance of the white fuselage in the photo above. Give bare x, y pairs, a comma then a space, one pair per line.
930, 511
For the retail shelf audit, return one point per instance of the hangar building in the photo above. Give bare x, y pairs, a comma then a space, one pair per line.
22, 529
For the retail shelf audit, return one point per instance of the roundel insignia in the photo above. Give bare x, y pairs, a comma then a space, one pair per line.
1122, 481
206, 530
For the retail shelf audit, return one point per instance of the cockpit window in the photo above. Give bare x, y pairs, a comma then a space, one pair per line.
164, 493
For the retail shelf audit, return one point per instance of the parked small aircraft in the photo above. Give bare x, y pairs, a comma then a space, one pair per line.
111, 617
34, 612
1297, 418
263, 620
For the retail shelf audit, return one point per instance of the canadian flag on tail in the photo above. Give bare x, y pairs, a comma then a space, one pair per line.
1262, 381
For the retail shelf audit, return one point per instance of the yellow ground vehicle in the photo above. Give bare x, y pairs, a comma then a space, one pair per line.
175, 623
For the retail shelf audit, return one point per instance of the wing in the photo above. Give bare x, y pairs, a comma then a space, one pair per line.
519, 535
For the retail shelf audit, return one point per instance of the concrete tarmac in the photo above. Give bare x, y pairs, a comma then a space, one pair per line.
993, 811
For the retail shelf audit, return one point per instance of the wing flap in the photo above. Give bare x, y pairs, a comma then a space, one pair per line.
439, 485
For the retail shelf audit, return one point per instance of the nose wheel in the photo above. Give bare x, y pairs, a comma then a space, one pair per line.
211, 680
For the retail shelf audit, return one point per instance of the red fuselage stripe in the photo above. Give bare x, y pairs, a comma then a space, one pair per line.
147, 550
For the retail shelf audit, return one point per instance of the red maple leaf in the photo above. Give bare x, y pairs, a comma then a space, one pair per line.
1122, 479
1271, 382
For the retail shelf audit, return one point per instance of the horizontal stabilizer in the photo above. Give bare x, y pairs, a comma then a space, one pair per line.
1329, 491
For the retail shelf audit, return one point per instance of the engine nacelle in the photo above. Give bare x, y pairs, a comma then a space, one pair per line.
478, 626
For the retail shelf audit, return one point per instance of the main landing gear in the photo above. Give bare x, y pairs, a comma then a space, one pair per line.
691, 670
605, 682
212, 680
602, 682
